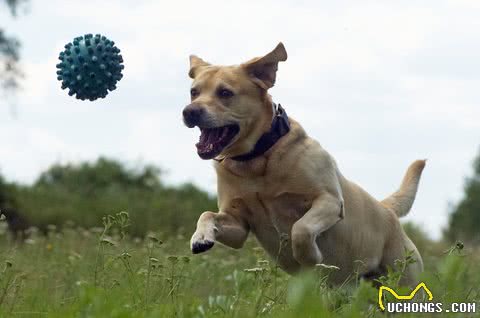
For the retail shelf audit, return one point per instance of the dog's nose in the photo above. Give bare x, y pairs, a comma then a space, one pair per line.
192, 115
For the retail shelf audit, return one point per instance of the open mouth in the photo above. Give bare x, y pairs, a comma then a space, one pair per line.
214, 140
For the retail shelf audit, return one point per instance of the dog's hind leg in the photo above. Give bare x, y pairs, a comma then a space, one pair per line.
413, 270
222, 227
325, 212
397, 250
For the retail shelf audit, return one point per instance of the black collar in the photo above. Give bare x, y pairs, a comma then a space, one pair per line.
280, 127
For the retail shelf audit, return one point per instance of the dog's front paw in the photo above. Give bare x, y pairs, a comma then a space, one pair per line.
200, 244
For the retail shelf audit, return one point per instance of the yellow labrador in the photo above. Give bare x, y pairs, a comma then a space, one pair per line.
277, 182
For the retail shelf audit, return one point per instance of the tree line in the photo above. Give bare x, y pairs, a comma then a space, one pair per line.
81, 194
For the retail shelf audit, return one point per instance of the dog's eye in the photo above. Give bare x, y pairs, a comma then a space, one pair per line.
194, 92
225, 93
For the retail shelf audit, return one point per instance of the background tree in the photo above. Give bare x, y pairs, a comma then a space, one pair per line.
3, 195
100, 175
464, 223
10, 72
84, 192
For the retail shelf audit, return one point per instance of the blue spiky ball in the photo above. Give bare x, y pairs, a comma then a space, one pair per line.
90, 67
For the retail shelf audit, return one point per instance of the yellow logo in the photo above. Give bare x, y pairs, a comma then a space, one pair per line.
400, 297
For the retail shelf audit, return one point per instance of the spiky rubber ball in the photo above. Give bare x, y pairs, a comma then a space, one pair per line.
90, 67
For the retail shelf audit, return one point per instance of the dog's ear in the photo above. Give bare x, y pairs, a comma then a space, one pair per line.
263, 70
195, 64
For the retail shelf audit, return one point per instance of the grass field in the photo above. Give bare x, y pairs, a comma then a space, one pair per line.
104, 272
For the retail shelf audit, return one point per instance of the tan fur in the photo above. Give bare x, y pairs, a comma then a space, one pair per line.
302, 210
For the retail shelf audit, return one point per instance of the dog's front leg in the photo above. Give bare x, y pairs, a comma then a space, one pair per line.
222, 227
325, 212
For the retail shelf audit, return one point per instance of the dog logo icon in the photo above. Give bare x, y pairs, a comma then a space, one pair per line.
402, 297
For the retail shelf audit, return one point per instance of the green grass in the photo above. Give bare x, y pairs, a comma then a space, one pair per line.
104, 272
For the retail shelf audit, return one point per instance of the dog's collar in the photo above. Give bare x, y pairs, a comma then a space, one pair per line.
280, 127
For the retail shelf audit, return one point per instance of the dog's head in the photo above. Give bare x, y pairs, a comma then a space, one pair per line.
230, 104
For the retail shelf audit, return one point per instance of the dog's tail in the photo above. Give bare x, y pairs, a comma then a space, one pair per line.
401, 201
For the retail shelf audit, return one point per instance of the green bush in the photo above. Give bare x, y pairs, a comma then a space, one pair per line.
83, 193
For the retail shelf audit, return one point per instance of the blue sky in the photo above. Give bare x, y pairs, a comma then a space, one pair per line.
378, 84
